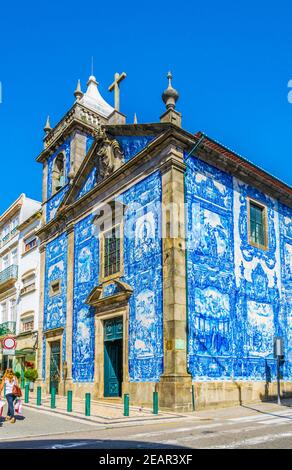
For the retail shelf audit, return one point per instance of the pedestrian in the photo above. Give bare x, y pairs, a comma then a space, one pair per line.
10, 382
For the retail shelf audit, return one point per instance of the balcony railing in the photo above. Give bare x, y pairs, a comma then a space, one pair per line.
8, 274
8, 328
27, 289
8, 237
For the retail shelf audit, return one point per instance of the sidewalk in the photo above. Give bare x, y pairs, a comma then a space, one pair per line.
101, 411
109, 412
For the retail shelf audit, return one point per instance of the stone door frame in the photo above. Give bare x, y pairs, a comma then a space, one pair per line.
51, 337
100, 319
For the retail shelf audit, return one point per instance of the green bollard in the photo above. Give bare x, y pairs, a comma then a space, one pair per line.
126, 404
87, 404
26, 393
22, 381
39, 396
69, 401
53, 397
155, 403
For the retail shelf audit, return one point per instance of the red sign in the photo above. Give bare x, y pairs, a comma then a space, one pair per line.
9, 343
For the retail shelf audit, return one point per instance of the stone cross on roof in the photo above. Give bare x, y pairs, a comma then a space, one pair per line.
115, 86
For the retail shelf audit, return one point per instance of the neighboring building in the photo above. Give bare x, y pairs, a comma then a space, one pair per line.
19, 279
165, 262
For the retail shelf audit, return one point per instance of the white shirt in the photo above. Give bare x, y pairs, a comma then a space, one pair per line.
9, 386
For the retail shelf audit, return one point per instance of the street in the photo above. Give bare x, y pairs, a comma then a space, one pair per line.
260, 426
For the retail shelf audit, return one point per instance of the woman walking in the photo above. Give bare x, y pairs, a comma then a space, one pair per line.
9, 381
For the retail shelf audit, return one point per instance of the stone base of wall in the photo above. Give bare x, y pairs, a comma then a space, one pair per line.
223, 394
207, 395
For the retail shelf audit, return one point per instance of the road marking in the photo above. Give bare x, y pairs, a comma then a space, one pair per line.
64, 446
220, 432
252, 441
276, 421
171, 431
267, 415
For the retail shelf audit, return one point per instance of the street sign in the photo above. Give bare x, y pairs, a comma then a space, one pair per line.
9, 343
8, 352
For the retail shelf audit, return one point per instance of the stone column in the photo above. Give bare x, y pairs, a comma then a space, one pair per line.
69, 318
39, 355
175, 385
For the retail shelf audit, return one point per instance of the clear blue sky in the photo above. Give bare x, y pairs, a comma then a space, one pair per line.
231, 63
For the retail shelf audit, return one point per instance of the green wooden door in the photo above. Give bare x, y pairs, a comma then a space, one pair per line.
113, 357
55, 365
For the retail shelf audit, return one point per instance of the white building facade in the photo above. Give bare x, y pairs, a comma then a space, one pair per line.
19, 280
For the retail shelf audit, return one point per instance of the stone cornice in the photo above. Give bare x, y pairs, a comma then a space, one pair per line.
158, 155
54, 332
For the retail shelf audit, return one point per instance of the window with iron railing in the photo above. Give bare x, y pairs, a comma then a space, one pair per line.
28, 284
27, 324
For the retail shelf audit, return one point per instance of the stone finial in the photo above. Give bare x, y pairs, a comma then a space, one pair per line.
170, 95
135, 119
47, 127
78, 92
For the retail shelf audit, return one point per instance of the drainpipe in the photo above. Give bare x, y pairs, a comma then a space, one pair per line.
186, 255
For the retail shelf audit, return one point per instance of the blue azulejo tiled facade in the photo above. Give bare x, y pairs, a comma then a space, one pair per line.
238, 294
55, 304
143, 272
86, 264
167, 291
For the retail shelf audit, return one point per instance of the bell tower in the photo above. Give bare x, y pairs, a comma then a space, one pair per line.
67, 143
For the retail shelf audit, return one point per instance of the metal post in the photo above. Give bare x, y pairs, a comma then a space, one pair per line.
53, 397
69, 401
278, 380
193, 396
126, 404
87, 404
39, 396
26, 393
155, 403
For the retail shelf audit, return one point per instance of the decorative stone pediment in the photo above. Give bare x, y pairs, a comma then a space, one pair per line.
109, 295
103, 158
108, 156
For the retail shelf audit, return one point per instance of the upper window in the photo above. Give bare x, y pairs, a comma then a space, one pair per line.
3, 312
27, 322
12, 306
28, 282
58, 176
30, 243
258, 234
55, 287
14, 257
112, 252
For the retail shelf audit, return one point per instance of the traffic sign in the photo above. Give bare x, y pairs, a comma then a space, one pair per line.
9, 343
